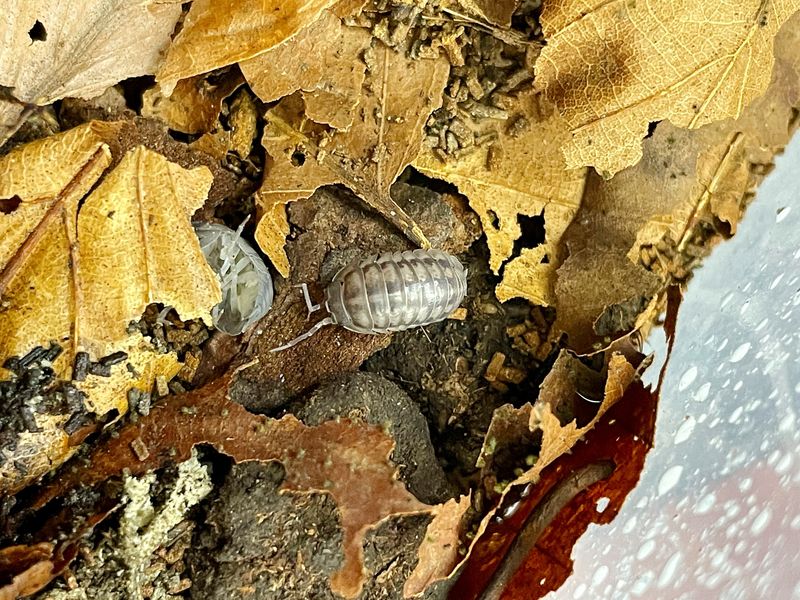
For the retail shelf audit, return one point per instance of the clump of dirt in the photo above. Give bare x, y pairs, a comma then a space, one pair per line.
370, 398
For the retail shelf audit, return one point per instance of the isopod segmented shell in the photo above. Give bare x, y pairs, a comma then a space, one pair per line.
396, 290
245, 280
391, 292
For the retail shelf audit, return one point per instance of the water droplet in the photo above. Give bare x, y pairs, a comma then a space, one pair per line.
702, 392
669, 479
642, 583
687, 378
685, 430
726, 300
784, 464
761, 521
602, 504
599, 575
646, 549
630, 525
782, 213
745, 484
579, 591
736, 414
705, 504
669, 570
740, 352
776, 282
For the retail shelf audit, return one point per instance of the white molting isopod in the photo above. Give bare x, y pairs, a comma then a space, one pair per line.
244, 278
393, 291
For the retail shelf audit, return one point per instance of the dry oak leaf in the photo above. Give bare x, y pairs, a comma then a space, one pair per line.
193, 106
522, 173
81, 277
398, 95
217, 33
348, 460
613, 67
324, 61
57, 48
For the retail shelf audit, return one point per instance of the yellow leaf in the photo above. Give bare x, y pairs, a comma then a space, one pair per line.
520, 174
613, 67
323, 61
193, 106
57, 48
79, 278
399, 95
217, 33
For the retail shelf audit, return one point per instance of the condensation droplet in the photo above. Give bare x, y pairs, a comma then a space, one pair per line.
776, 282
702, 392
782, 213
784, 464
687, 378
736, 414
669, 479
760, 523
685, 430
669, 570
646, 549
705, 504
600, 575
579, 591
602, 504
740, 352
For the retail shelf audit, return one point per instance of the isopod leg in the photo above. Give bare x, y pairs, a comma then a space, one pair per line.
304, 336
311, 307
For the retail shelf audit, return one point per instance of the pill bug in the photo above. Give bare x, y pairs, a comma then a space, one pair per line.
244, 278
393, 291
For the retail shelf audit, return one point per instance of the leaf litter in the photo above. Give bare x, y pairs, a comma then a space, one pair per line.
600, 172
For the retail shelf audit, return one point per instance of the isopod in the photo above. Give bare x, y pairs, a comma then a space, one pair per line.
393, 291
245, 279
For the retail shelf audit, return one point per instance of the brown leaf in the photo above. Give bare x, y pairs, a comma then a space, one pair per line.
193, 106
324, 61
611, 68
438, 552
56, 48
342, 458
29, 569
528, 554
398, 95
497, 12
522, 173
686, 177
217, 33
80, 278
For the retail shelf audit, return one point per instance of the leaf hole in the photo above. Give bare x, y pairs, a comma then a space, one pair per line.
37, 33
9, 205
494, 219
298, 158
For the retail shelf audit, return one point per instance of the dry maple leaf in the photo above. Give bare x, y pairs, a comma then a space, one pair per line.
217, 33
398, 95
57, 48
522, 173
81, 277
348, 460
497, 12
324, 61
613, 67
685, 177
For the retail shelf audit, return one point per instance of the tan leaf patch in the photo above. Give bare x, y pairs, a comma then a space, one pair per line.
57, 48
324, 61
522, 173
217, 33
80, 278
399, 94
611, 68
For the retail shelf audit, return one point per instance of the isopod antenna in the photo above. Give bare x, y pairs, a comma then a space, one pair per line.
306, 335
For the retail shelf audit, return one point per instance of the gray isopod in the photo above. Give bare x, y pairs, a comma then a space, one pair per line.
393, 291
